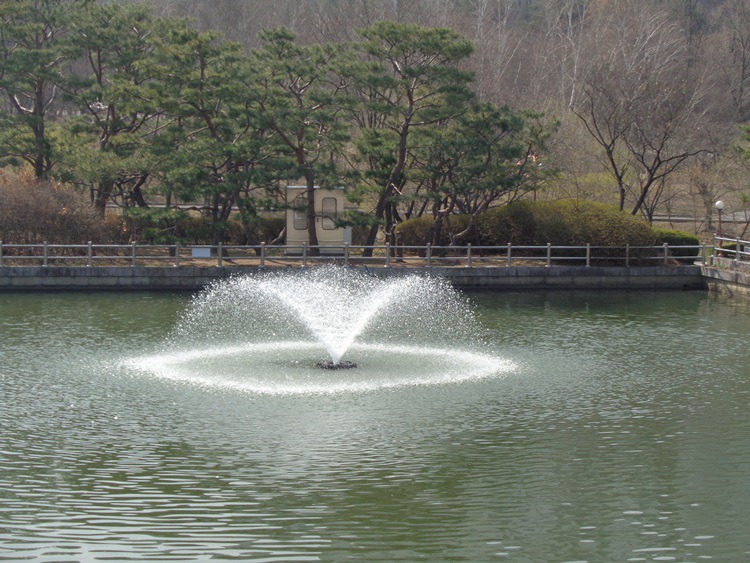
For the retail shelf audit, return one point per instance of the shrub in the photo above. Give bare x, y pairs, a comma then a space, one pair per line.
173, 226
156, 225
263, 228
567, 223
575, 222
32, 211
674, 237
271, 227
359, 234
193, 229
514, 223
414, 231
561, 223
417, 231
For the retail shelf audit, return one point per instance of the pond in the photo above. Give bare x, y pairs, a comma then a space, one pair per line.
621, 432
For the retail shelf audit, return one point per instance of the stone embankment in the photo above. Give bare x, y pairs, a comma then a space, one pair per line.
190, 278
728, 276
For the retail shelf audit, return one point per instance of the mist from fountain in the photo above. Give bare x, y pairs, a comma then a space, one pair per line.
265, 333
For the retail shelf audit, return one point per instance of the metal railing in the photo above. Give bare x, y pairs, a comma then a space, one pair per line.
735, 248
731, 252
263, 255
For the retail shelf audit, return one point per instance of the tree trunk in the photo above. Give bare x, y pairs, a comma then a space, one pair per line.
459, 238
393, 180
642, 198
103, 193
434, 235
379, 214
41, 149
312, 227
136, 194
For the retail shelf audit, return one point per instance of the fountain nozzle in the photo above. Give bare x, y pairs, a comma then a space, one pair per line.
330, 364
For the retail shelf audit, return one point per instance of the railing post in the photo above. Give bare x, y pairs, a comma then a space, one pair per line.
304, 255
89, 254
468, 254
703, 254
176, 255
1, 253
132, 254
627, 255
588, 254
736, 251
549, 254
220, 255
715, 250
429, 255
262, 254
45, 258
510, 258
666, 253
387, 254
346, 254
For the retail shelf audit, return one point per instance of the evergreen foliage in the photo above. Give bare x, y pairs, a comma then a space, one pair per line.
152, 107
561, 223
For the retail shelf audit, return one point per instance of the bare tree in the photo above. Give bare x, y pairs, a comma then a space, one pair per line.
641, 100
732, 51
500, 45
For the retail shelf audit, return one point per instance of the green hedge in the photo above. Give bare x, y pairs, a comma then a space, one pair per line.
514, 223
674, 237
569, 222
561, 223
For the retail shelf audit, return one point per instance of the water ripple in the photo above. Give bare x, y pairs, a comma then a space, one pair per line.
601, 444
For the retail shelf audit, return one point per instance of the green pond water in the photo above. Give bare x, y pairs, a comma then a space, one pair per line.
616, 427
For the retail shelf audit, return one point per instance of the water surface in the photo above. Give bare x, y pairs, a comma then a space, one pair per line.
622, 433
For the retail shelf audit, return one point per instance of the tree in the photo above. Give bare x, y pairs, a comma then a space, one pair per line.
409, 78
641, 101
34, 43
212, 141
733, 49
104, 147
298, 93
484, 155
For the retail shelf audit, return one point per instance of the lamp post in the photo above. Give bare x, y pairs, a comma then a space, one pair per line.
719, 205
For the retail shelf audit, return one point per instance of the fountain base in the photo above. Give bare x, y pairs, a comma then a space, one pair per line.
328, 364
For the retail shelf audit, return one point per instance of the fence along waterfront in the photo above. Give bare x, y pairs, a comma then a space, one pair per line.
262, 255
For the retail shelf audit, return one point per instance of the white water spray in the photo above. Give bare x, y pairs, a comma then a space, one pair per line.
333, 313
265, 333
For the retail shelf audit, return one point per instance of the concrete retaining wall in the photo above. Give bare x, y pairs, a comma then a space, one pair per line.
562, 277
727, 276
103, 278
191, 278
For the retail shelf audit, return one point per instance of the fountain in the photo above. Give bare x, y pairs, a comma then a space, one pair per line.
274, 331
